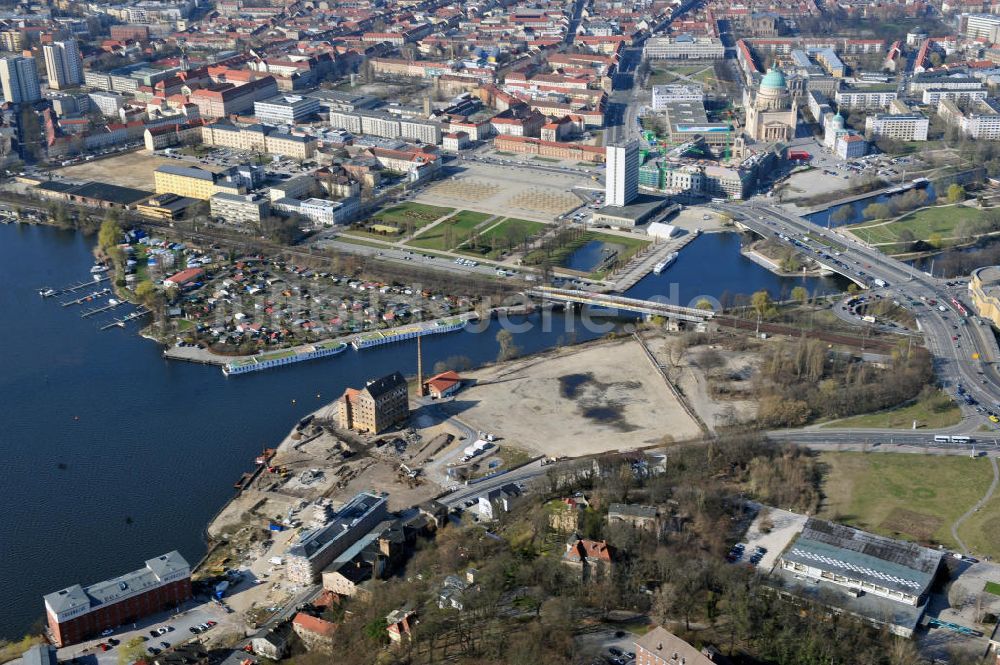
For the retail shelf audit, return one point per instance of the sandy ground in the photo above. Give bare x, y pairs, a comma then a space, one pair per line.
134, 169
576, 401
696, 384
507, 190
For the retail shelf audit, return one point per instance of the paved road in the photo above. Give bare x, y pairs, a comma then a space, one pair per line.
467, 492
979, 504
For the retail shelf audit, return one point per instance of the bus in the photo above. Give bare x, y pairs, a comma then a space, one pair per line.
942, 438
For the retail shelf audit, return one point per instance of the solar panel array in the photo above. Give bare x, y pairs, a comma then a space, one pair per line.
864, 570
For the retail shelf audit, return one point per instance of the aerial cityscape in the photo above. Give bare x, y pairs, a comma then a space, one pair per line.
592, 332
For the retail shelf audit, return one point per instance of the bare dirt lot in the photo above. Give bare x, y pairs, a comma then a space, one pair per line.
134, 169
576, 401
511, 190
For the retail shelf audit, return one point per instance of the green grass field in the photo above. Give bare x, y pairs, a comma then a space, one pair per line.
981, 532
450, 233
923, 224
938, 411
418, 214
992, 587
914, 497
512, 229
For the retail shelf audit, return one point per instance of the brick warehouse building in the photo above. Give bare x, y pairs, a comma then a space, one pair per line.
77, 613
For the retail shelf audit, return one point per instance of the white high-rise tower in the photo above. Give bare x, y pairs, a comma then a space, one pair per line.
621, 179
20, 80
63, 64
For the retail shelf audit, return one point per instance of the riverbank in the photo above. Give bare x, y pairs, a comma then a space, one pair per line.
205, 356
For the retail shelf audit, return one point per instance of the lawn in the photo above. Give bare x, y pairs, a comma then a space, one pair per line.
981, 532
897, 494
923, 224
510, 230
451, 232
937, 411
418, 214
992, 587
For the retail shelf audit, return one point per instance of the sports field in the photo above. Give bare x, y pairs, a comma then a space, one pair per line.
913, 497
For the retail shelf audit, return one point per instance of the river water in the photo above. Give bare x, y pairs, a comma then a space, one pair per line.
114, 455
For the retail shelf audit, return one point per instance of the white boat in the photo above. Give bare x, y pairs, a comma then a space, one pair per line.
46, 293
665, 263
98, 269
285, 357
112, 301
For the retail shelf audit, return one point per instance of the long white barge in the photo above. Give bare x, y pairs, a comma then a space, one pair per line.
380, 337
271, 359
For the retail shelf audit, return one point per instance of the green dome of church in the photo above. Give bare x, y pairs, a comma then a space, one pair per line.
773, 80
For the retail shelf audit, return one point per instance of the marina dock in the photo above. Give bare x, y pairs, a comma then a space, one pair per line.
120, 323
86, 298
72, 288
644, 265
107, 308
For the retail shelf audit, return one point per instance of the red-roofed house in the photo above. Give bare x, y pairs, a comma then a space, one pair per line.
442, 385
183, 278
591, 557
314, 632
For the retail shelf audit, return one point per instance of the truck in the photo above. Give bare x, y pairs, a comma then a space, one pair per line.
881, 283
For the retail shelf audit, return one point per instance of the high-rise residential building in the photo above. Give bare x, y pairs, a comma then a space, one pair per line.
63, 64
621, 183
20, 80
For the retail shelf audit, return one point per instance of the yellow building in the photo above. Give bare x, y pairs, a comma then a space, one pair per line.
259, 138
184, 181
194, 182
984, 289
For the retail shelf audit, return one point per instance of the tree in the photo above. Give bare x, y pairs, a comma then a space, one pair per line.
145, 292
800, 294
704, 304
842, 215
876, 211
762, 303
110, 233
508, 350
956, 193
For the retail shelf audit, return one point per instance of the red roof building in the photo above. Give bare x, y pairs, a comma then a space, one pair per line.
183, 278
443, 385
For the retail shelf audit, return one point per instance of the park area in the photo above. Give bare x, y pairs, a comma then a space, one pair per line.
913, 497
451, 232
584, 250
504, 237
399, 221
936, 226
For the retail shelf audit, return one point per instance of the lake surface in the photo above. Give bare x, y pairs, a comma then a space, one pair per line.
589, 257
115, 455
823, 217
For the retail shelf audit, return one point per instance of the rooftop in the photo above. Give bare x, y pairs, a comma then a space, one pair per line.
894, 564
354, 510
109, 591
